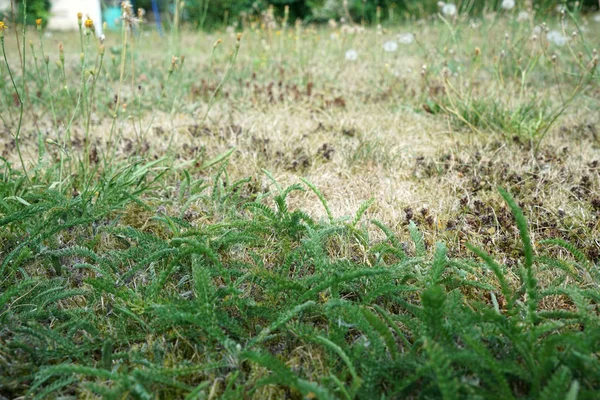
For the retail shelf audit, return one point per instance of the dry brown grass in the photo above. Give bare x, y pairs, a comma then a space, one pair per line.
356, 129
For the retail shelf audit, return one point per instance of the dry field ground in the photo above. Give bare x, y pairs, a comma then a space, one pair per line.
360, 129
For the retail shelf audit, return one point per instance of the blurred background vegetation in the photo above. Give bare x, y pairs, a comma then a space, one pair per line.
215, 13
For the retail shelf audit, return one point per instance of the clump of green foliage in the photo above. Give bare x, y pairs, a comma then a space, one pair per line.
92, 305
123, 277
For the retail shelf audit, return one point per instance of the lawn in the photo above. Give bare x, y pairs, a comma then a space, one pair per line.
293, 211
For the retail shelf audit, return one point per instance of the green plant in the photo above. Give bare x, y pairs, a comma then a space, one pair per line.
171, 268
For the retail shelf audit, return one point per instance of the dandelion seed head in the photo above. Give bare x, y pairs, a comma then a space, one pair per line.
449, 9
523, 16
508, 4
390, 46
406, 38
556, 37
126, 7
351, 55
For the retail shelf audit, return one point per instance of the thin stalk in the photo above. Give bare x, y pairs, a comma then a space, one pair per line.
118, 102
204, 13
21, 108
21, 105
91, 96
46, 62
225, 77
82, 92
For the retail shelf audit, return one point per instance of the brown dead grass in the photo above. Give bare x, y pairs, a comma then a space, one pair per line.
356, 130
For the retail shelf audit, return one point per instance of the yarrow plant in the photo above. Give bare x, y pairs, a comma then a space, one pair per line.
156, 240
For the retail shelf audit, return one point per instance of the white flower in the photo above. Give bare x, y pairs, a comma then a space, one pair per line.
557, 38
449, 10
390, 46
537, 30
597, 17
351, 55
523, 16
406, 38
508, 4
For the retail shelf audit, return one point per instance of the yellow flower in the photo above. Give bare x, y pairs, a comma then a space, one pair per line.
2, 28
38, 22
89, 23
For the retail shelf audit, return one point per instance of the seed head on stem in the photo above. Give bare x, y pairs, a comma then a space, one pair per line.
173, 66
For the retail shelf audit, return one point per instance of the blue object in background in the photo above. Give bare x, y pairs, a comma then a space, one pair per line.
156, 13
112, 16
